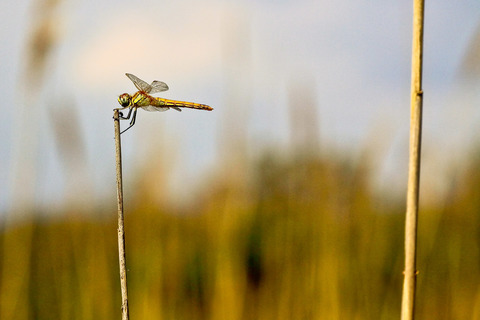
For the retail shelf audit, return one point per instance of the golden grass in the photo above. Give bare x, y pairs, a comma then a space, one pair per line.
306, 241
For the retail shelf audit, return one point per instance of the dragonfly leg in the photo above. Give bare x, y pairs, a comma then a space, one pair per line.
133, 119
120, 114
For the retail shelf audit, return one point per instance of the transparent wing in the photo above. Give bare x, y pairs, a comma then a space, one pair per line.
154, 108
139, 83
158, 86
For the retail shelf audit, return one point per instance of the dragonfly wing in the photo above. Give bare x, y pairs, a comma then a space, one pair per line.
139, 83
158, 86
154, 108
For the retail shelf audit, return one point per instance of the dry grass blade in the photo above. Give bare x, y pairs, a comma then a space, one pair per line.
408, 299
121, 229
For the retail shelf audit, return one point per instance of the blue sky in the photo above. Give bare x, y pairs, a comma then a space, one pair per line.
355, 54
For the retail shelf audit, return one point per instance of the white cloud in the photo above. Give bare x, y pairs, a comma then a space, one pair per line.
149, 46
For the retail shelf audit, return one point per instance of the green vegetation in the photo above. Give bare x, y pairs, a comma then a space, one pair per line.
305, 240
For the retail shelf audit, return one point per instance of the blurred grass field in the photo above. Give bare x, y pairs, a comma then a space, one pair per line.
278, 238
304, 239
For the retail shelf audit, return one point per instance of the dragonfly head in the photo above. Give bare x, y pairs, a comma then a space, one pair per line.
124, 100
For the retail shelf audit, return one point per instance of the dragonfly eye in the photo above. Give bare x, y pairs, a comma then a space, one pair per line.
124, 100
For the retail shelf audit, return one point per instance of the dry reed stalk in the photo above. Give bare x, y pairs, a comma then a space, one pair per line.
410, 273
121, 229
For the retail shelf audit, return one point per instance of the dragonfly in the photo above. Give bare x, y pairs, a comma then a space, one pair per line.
143, 99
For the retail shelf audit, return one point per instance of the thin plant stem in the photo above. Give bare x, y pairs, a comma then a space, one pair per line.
121, 229
411, 219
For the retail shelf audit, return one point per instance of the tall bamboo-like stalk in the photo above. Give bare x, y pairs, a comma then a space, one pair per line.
121, 229
408, 299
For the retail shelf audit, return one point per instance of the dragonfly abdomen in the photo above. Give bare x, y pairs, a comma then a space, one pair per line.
160, 102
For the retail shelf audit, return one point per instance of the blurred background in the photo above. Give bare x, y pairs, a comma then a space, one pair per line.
285, 202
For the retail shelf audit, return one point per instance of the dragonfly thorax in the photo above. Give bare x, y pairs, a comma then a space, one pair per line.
124, 100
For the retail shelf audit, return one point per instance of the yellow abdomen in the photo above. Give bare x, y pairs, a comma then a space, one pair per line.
160, 102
